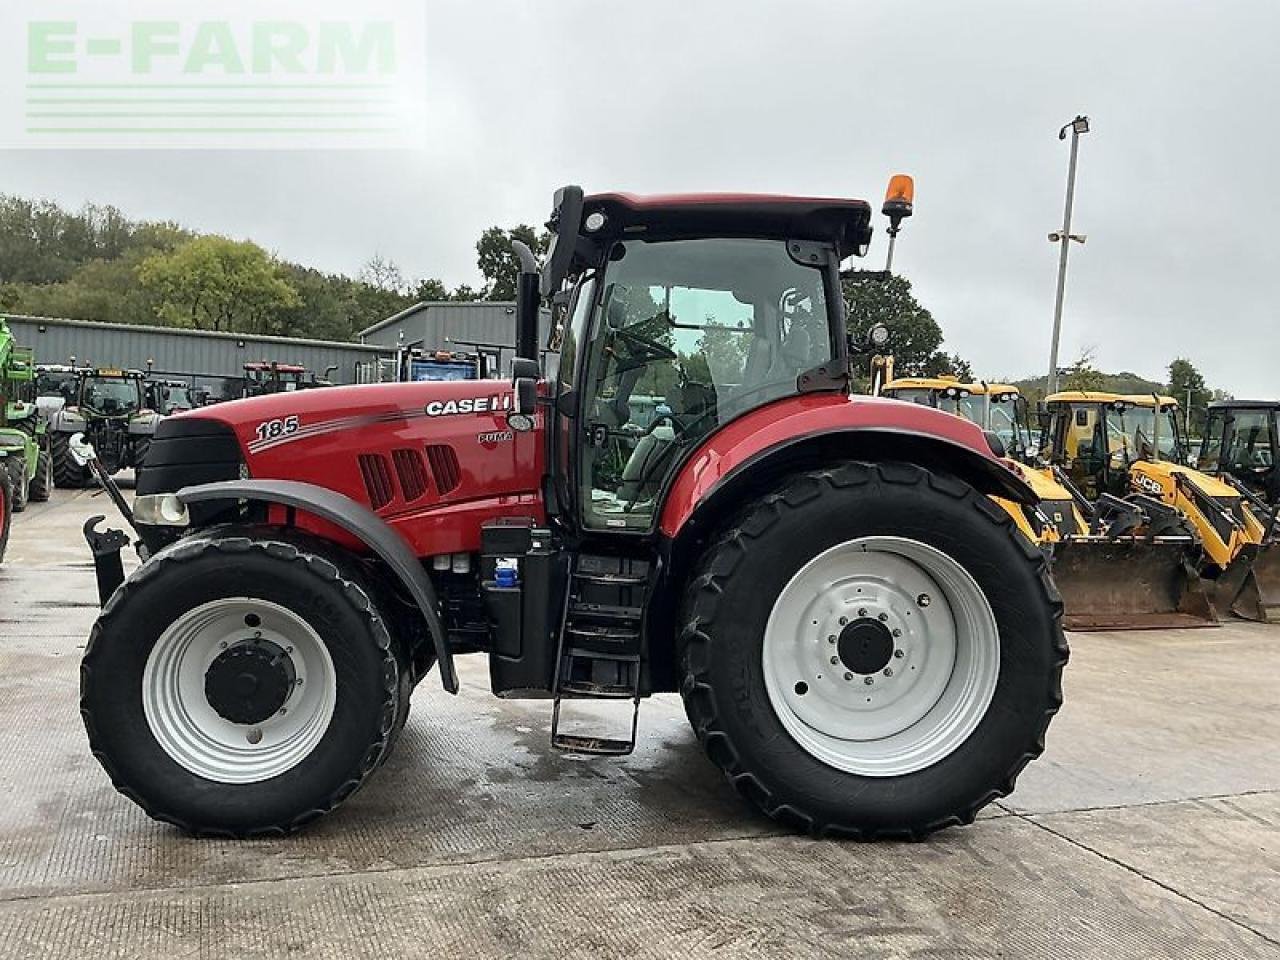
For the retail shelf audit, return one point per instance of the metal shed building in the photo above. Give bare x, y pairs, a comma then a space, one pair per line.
207, 358
472, 327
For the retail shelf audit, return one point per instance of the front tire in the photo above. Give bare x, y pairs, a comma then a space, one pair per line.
67, 474
872, 650
176, 724
42, 483
6, 511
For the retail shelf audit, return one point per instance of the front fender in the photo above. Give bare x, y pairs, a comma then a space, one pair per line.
357, 520
800, 432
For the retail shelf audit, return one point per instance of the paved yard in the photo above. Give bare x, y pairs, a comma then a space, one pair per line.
1151, 827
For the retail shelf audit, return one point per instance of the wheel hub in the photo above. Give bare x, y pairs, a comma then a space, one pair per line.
865, 646
250, 681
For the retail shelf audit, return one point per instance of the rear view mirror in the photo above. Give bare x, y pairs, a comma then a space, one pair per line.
524, 403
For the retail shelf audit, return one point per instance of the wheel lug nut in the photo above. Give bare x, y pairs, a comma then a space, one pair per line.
869, 681
862, 611
923, 600
835, 661
848, 676
888, 671
844, 621
898, 654
831, 639
884, 617
897, 632
222, 644
288, 649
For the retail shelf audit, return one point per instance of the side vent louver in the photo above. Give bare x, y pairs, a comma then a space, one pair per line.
377, 479
411, 473
444, 467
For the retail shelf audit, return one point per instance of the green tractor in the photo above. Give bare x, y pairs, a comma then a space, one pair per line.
109, 406
24, 441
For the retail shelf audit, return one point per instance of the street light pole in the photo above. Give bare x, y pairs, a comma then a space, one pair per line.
1077, 126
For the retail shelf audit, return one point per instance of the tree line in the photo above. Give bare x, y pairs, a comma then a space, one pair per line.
97, 264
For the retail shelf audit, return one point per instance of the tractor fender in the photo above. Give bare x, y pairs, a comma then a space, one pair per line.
357, 520
749, 454
66, 420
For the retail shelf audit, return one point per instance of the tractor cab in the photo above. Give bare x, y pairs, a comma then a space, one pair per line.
111, 392
167, 397
1242, 440
998, 408
1097, 437
264, 377
684, 314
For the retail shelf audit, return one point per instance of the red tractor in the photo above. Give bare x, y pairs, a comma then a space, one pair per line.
864, 643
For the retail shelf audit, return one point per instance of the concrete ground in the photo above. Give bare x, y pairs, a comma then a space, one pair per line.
1150, 828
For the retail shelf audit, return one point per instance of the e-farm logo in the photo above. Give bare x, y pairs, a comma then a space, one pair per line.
205, 74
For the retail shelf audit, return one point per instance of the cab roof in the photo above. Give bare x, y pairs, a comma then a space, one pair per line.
1098, 396
1245, 405
845, 222
976, 388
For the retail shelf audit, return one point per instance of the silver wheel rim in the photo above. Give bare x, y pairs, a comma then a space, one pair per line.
188, 728
942, 667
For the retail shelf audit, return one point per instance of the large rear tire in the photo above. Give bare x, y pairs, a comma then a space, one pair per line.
19, 483
241, 683
67, 474
872, 650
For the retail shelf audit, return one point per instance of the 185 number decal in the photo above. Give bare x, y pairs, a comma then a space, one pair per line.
275, 429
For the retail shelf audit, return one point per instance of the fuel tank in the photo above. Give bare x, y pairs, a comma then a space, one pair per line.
435, 460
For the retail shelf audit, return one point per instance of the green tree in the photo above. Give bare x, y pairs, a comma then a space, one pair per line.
1083, 375
914, 335
497, 261
1187, 386
213, 283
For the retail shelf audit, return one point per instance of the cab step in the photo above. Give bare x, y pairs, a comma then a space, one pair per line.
600, 648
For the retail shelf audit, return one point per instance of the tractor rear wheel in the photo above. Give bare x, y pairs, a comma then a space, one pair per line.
67, 474
42, 482
872, 650
241, 683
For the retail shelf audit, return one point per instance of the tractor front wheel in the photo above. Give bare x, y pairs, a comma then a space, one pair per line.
872, 650
67, 474
42, 483
6, 511
241, 683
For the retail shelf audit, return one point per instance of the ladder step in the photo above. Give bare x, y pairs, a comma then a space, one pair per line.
597, 632
592, 746
597, 691
611, 579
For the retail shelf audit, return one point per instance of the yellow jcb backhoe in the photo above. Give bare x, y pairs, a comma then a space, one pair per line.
1116, 570
1125, 454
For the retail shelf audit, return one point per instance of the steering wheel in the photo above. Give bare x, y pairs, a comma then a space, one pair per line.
642, 349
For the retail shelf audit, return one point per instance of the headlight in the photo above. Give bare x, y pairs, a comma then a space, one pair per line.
160, 510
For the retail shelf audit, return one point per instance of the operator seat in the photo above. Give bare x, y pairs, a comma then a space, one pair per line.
694, 409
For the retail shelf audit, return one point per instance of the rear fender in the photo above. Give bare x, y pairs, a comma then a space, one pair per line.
360, 522
746, 458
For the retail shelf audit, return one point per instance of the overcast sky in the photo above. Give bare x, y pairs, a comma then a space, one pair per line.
1179, 184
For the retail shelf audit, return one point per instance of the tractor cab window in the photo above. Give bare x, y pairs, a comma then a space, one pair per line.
111, 396
1249, 446
1141, 433
686, 335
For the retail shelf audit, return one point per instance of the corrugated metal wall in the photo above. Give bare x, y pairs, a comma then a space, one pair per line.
210, 359
455, 326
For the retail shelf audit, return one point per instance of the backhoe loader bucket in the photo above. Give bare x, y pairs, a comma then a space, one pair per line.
1250, 586
1131, 583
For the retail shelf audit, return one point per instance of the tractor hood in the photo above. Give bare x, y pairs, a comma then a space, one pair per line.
399, 448
281, 420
